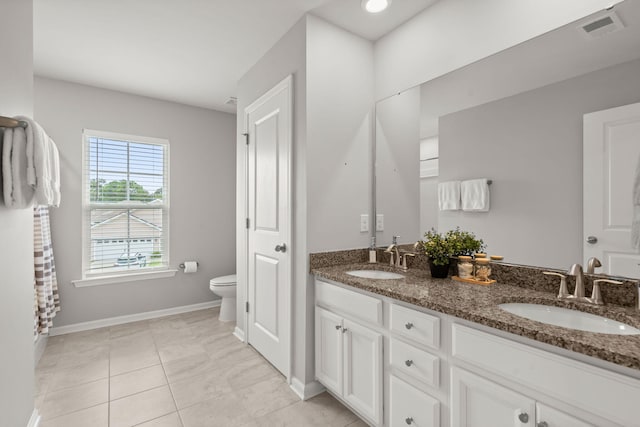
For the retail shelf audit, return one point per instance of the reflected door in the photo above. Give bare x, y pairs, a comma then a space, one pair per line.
611, 155
269, 192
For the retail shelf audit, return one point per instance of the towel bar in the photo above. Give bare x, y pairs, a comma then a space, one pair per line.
7, 122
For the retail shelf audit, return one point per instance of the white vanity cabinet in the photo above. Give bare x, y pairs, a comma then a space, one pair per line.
349, 354
436, 370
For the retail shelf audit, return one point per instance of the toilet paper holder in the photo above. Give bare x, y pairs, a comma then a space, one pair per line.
182, 265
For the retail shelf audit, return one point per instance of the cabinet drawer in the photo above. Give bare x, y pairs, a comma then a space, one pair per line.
420, 327
410, 406
416, 363
350, 303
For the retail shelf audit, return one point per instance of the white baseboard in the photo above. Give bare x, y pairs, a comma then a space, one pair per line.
112, 321
35, 419
239, 333
306, 391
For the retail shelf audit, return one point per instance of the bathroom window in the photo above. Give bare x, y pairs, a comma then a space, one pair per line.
126, 204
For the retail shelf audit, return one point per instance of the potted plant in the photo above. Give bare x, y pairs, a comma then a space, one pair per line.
438, 248
464, 242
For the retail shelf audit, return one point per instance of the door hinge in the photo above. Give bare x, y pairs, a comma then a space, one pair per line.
246, 138
247, 222
246, 306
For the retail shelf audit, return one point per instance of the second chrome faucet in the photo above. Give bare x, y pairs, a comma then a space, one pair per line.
579, 292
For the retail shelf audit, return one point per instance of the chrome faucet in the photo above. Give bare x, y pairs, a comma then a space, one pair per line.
592, 264
390, 250
576, 270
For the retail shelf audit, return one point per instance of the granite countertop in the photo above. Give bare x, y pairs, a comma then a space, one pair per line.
479, 304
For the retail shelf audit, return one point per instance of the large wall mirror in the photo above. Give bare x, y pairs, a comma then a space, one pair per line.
516, 118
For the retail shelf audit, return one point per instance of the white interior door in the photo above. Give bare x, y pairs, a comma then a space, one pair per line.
611, 153
269, 238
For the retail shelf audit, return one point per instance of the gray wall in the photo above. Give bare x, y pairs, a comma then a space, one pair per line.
16, 228
339, 109
202, 170
531, 146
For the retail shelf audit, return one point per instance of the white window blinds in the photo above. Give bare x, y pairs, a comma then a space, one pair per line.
126, 203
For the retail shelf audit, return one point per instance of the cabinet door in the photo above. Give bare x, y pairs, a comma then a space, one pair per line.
363, 370
550, 417
329, 350
477, 402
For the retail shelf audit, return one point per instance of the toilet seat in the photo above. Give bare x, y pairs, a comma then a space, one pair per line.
229, 280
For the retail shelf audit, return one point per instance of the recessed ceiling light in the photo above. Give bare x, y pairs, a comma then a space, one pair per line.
375, 6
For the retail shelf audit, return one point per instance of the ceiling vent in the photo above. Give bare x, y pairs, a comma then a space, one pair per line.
601, 26
231, 101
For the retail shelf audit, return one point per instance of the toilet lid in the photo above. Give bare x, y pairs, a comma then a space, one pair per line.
229, 280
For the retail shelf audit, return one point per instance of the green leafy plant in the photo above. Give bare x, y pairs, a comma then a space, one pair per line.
437, 247
441, 247
464, 242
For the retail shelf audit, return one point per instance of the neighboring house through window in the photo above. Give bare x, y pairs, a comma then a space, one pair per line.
125, 203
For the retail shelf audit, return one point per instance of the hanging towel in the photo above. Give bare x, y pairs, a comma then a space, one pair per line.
475, 195
46, 283
17, 193
635, 223
43, 164
449, 196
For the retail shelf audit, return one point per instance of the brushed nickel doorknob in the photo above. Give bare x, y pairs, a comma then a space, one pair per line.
281, 248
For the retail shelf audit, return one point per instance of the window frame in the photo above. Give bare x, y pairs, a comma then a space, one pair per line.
90, 278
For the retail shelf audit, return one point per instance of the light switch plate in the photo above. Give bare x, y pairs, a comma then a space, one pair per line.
364, 223
380, 222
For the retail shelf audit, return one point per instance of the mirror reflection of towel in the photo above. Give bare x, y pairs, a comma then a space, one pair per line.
475, 195
449, 196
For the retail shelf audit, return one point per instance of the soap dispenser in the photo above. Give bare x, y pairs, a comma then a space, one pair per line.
372, 251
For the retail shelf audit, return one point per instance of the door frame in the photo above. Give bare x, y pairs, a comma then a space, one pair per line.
284, 85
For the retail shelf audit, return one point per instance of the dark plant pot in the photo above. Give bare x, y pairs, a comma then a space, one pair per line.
438, 271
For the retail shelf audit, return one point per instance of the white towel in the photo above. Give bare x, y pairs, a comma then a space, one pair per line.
449, 196
635, 223
17, 192
43, 164
475, 195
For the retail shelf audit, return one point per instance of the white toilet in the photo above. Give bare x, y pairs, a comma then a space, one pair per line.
225, 287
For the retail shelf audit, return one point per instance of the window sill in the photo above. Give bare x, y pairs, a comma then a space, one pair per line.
123, 278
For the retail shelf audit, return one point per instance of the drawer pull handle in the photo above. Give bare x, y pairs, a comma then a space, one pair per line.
338, 327
409, 420
523, 417
408, 325
543, 424
408, 362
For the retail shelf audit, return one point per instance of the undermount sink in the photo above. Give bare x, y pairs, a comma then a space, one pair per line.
568, 318
375, 274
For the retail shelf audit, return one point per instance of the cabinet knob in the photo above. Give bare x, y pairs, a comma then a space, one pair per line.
409, 420
344, 330
338, 327
408, 362
408, 325
523, 417
542, 424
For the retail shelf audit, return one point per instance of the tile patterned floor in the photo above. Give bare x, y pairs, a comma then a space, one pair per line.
186, 370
